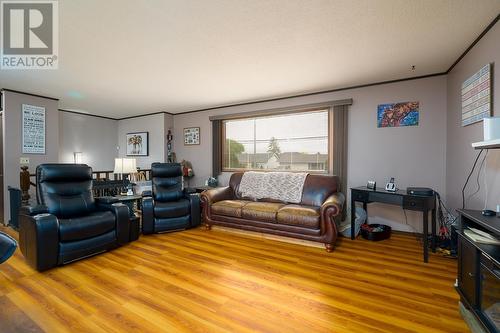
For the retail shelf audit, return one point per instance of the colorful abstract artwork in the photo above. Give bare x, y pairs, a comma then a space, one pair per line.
398, 114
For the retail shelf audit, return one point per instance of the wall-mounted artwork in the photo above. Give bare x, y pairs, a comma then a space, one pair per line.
476, 96
398, 114
191, 136
33, 129
138, 144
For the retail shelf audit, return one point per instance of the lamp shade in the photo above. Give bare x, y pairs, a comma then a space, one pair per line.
125, 165
78, 157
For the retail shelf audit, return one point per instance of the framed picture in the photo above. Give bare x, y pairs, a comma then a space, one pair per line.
138, 144
191, 136
33, 129
477, 97
398, 114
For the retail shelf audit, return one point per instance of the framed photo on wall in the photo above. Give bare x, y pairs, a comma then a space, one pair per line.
138, 144
191, 136
33, 123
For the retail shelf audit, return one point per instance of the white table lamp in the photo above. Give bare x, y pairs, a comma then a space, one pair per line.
125, 166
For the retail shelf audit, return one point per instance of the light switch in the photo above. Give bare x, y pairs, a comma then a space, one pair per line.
24, 160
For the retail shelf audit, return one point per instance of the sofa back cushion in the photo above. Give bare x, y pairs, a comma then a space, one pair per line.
66, 189
167, 181
316, 188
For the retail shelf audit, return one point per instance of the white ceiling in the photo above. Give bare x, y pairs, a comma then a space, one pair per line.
120, 58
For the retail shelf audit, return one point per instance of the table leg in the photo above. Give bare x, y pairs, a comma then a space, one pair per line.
426, 234
433, 233
353, 216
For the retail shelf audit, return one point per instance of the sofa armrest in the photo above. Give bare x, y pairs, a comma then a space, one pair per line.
122, 219
147, 194
333, 205
39, 240
34, 210
216, 194
330, 209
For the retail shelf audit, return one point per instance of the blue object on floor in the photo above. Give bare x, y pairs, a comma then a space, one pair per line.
345, 227
7, 247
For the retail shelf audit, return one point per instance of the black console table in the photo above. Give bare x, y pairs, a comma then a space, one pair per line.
424, 204
478, 281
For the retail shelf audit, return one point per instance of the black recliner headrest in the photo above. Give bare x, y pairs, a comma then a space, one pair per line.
63, 172
166, 170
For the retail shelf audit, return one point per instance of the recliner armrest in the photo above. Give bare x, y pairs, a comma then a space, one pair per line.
147, 194
122, 218
194, 202
8, 246
147, 215
34, 210
39, 240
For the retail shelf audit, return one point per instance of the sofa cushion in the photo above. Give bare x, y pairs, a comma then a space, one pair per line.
228, 207
91, 225
299, 215
172, 208
261, 211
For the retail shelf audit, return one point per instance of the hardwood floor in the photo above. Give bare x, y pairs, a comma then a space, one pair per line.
215, 281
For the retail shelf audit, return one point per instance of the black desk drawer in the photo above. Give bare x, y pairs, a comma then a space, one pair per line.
359, 196
413, 203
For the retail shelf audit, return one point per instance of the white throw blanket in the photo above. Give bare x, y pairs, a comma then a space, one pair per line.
283, 186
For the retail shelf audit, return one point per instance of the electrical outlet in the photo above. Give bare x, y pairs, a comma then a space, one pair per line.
24, 160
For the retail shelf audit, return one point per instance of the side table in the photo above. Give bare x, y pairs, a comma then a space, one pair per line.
199, 189
134, 203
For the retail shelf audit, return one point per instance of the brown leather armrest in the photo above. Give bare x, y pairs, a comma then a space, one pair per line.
217, 194
330, 209
334, 203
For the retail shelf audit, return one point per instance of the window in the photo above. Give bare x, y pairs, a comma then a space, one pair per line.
293, 141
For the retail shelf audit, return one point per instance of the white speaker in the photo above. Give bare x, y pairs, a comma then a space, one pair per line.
491, 128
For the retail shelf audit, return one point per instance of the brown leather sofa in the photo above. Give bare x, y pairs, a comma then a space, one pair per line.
313, 219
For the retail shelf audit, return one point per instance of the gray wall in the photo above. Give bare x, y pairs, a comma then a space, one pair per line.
460, 155
95, 137
415, 156
12, 138
155, 125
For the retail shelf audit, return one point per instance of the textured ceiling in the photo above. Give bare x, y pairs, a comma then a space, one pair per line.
120, 58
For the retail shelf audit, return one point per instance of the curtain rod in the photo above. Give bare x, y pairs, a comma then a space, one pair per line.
282, 110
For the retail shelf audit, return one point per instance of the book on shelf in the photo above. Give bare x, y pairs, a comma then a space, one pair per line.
480, 236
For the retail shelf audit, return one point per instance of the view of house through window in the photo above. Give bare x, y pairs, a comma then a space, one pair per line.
295, 141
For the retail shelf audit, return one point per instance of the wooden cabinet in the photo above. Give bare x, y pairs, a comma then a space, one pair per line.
478, 280
468, 270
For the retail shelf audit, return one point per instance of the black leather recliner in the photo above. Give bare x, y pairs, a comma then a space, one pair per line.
68, 223
168, 207
7, 247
